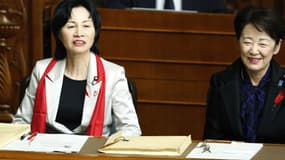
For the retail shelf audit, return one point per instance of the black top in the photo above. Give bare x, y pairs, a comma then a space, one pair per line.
71, 103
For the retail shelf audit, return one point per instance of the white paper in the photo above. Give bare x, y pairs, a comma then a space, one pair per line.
234, 150
49, 143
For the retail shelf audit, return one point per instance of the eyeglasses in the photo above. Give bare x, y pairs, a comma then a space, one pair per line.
205, 147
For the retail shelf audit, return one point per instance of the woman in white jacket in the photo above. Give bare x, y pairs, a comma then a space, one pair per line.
78, 92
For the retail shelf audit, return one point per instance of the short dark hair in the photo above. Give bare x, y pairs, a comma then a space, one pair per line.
263, 19
61, 15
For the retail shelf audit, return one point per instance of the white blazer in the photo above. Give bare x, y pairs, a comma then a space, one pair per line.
119, 108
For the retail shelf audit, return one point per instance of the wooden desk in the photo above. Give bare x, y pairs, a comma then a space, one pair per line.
89, 152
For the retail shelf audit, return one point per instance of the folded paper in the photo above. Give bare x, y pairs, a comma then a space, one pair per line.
10, 132
146, 145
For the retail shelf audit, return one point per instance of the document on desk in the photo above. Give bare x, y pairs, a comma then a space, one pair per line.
10, 132
146, 145
234, 150
66, 143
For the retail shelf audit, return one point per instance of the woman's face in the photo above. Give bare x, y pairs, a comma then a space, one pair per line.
257, 49
77, 35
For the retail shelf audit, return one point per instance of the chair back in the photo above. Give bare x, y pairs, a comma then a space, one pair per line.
133, 90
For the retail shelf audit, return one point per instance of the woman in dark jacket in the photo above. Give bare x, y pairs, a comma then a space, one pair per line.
245, 101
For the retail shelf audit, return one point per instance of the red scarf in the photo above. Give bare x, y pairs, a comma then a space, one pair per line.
95, 127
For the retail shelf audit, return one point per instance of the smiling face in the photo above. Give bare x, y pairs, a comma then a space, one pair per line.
257, 49
77, 35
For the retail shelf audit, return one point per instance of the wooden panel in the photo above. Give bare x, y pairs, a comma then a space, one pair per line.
37, 30
168, 119
172, 91
176, 47
171, 81
165, 21
169, 70
171, 56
